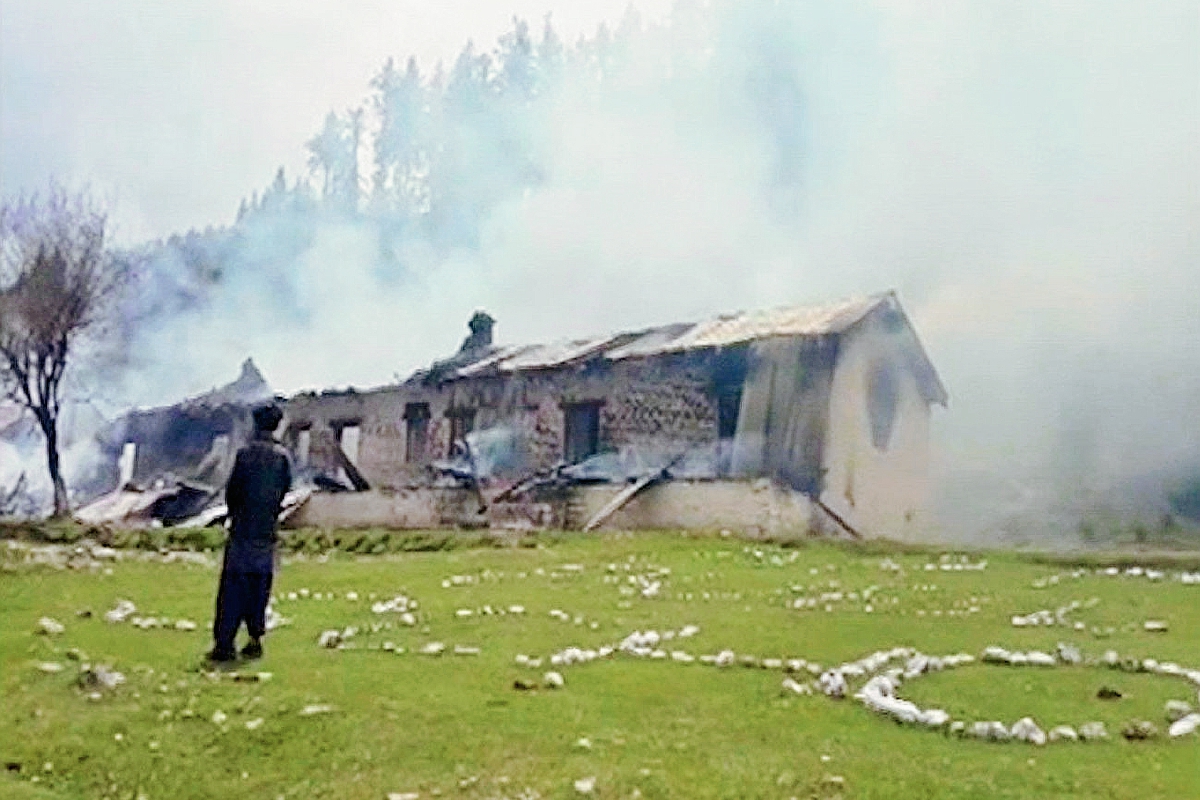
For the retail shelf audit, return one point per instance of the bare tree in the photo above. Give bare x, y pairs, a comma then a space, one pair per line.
57, 278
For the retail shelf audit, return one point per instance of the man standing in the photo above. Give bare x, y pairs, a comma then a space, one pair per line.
261, 476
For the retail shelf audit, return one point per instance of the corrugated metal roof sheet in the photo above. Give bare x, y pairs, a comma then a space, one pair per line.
720, 331
729, 329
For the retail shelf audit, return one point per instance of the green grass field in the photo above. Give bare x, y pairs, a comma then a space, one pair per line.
454, 726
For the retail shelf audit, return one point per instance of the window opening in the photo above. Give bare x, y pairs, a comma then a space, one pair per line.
581, 433
883, 397
303, 444
416, 432
462, 422
126, 462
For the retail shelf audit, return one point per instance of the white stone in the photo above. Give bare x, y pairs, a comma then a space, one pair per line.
185, 625
50, 626
1177, 710
329, 639
1026, 730
1093, 731
219, 717
934, 718
586, 785
1155, 626
553, 680
1040, 659
832, 684
995, 655
1184, 726
123, 610
1068, 654
1063, 733
432, 649
254, 724
316, 708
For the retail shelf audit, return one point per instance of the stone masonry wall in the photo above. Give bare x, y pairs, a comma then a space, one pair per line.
660, 404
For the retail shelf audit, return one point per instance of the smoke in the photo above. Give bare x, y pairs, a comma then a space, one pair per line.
1024, 174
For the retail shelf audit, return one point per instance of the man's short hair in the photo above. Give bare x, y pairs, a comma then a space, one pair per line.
267, 417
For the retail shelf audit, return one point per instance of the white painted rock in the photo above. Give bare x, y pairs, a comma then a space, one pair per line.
316, 708
329, 639
933, 718
989, 731
1093, 731
586, 785
185, 625
553, 680
48, 626
1177, 710
1063, 733
100, 676
1155, 626
1026, 730
1040, 659
832, 684
219, 717
1185, 726
1068, 654
123, 611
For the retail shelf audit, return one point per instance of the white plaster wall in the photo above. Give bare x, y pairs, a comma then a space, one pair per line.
401, 510
883, 493
754, 508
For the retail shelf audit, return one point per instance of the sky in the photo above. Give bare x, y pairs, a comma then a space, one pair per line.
1026, 174
175, 111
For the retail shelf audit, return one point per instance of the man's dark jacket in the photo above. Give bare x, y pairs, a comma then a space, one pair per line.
262, 475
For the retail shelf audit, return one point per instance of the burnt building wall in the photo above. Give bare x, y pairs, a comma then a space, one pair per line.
655, 405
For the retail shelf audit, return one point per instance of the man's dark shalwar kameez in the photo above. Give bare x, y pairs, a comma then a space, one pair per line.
261, 477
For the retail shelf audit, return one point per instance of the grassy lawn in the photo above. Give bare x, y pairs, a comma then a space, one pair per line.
454, 726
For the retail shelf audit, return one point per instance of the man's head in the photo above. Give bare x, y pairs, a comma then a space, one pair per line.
267, 417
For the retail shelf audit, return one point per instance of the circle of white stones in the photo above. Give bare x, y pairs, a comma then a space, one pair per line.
878, 692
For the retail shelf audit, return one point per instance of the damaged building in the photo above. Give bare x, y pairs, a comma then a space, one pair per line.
169, 464
792, 419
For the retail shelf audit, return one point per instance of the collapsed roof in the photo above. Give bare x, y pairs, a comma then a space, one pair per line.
720, 331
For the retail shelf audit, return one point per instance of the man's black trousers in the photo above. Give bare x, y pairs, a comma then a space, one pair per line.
241, 597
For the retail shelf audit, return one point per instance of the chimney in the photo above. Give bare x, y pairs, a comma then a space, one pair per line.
481, 333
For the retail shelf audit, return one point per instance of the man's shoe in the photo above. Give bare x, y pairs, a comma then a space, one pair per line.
219, 656
252, 651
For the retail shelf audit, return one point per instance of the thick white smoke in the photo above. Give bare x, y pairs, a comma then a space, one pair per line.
1024, 174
